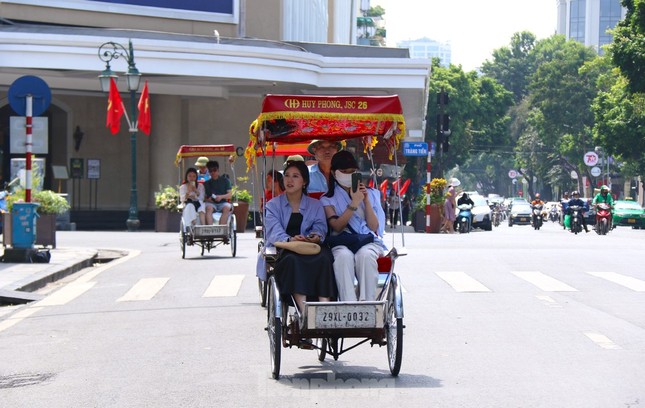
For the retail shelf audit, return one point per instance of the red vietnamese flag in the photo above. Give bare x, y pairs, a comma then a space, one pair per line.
405, 186
371, 183
383, 187
115, 109
395, 184
143, 121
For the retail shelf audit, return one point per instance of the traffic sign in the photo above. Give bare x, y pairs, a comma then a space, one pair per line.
512, 174
415, 149
595, 171
29, 85
591, 159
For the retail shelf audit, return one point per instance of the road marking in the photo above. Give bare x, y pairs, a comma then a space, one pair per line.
131, 253
18, 317
544, 282
603, 341
66, 294
462, 282
225, 285
548, 300
145, 289
626, 281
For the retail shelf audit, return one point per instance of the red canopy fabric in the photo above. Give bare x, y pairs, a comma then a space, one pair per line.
301, 118
204, 150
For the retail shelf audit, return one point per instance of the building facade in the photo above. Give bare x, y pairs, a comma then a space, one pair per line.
587, 21
428, 49
208, 67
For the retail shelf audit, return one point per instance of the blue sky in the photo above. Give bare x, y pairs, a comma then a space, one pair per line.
473, 27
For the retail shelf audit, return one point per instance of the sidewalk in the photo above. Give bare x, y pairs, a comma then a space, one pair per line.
18, 280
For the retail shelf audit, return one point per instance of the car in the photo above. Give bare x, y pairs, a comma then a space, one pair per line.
628, 213
520, 214
482, 214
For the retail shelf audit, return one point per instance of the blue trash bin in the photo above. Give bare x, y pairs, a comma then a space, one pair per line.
23, 224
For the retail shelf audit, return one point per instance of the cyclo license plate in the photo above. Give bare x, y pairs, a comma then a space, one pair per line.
210, 230
355, 315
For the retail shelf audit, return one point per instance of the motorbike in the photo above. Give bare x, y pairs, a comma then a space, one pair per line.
464, 218
553, 214
575, 211
536, 216
603, 219
497, 216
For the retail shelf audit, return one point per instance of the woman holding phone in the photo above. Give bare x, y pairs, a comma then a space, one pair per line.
191, 196
355, 211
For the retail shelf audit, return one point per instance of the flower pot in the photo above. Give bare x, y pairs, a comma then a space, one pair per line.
167, 221
46, 230
241, 211
435, 218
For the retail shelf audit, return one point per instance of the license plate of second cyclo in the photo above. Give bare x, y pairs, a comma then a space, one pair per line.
208, 230
354, 315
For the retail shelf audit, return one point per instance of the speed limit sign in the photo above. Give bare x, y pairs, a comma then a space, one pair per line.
512, 174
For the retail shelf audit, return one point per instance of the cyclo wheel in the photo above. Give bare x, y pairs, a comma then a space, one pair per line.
274, 328
263, 287
182, 239
232, 234
394, 328
322, 348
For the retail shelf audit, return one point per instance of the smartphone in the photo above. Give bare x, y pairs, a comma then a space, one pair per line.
356, 179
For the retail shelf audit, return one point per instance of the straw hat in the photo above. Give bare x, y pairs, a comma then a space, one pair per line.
310, 148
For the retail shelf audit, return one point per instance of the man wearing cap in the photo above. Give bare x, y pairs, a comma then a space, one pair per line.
319, 172
202, 169
218, 192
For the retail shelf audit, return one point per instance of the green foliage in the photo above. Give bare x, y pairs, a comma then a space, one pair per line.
240, 194
628, 47
167, 198
50, 202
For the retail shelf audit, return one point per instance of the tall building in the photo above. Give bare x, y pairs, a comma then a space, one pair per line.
587, 21
427, 49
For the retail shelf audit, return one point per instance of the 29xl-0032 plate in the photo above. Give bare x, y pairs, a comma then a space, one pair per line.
344, 315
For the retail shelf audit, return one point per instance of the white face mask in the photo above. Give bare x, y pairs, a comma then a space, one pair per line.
343, 179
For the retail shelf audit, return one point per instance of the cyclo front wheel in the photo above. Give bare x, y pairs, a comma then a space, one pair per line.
394, 328
274, 328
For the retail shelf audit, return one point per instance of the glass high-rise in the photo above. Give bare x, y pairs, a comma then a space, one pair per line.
587, 21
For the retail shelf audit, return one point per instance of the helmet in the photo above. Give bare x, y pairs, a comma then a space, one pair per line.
537, 195
605, 188
575, 193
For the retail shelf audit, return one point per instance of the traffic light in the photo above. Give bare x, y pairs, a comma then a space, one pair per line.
443, 121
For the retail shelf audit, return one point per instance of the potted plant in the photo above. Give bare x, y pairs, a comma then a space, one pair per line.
241, 201
50, 205
437, 198
167, 214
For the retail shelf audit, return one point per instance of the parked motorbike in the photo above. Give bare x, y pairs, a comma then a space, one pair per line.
464, 218
603, 219
575, 211
553, 214
536, 216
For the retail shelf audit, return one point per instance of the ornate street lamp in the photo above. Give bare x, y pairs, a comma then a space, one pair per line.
113, 51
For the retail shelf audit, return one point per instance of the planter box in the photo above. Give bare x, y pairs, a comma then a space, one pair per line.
167, 221
45, 230
241, 211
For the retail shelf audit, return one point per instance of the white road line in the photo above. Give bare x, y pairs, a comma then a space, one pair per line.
145, 289
544, 282
462, 282
225, 285
603, 341
626, 281
66, 294
548, 300
18, 317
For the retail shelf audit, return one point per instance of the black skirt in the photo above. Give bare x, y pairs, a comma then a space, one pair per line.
310, 275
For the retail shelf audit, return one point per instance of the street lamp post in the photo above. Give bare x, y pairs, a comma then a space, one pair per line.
108, 52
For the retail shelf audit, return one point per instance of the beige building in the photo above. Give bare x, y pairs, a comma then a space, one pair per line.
207, 72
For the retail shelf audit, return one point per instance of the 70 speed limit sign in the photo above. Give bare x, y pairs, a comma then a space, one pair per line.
512, 174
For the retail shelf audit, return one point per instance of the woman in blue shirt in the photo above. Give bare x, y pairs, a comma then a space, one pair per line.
294, 216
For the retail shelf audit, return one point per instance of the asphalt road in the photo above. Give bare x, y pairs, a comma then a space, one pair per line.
507, 318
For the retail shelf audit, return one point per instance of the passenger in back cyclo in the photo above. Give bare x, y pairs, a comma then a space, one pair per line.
323, 151
357, 212
191, 195
218, 192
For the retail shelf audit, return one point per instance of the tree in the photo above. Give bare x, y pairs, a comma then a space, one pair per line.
628, 46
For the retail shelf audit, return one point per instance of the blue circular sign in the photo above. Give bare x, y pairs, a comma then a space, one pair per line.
29, 85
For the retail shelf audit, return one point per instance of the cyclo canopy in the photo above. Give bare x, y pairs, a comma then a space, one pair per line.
293, 119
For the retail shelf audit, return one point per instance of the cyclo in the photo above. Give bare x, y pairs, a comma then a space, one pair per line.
287, 119
207, 237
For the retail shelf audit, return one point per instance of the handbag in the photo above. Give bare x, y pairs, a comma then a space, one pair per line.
352, 241
299, 247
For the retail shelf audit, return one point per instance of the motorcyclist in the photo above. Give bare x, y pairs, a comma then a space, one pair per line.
576, 200
464, 199
564, 202
603, 197
536, 202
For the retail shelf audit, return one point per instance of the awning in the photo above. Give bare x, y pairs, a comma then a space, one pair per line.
205, 150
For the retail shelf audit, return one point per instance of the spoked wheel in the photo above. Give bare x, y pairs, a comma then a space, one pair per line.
182, 239
394, 330
263, 287
232, 234
274, 329
322, 348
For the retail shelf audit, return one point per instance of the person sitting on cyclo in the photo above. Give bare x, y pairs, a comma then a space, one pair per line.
191, 195
218, 192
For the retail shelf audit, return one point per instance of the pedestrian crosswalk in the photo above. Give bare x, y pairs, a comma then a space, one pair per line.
228, 286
